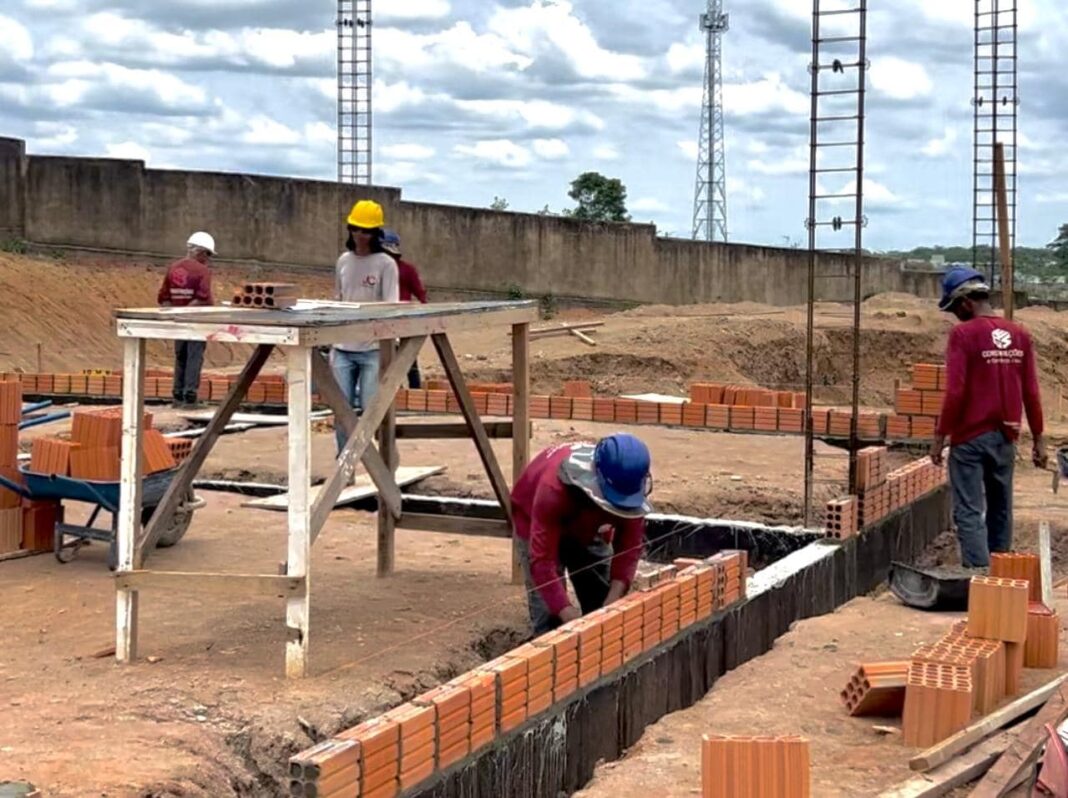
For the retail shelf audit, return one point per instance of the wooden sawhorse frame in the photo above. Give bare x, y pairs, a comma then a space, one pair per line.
299, 334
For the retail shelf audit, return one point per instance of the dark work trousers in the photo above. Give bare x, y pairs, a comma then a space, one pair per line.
188, 361
980, 473
415, 379
587, 567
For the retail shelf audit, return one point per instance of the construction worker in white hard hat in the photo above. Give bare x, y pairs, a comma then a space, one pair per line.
365, 273
188, 283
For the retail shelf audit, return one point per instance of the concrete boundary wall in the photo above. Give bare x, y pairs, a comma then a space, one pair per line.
120, 205
557, 752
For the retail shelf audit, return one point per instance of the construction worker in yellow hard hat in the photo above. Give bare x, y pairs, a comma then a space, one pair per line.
365, 273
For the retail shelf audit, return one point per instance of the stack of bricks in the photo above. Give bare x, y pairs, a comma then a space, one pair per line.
1042, 647
997, 610
842, 518
180, 448
273, 296
755, 767
876, 688
1017, 565
938, 702
918, 406
911, 481
10, 502
378, 770
873, 491
985, 658
439, 729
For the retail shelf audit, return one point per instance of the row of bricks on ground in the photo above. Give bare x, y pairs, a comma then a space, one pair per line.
968, 671
845, 517
266, 389
755, 767
27, 525
395, 751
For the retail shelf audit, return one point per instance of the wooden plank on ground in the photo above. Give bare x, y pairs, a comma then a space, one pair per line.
983, 728
363, 489
214, 583
1021, 756
955, 773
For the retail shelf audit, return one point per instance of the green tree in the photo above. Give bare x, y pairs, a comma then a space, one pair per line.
599, 198
499, 204
1059, 248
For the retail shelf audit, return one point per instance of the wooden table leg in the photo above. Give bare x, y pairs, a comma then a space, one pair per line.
387, 448
133, 408
520, 420
298, 562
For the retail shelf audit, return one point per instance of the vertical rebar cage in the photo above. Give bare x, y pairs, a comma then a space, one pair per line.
836, 205
995, 103
710, 194
354, 85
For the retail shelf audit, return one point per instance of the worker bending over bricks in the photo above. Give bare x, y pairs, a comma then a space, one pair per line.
580, 509
187, 284
991, 378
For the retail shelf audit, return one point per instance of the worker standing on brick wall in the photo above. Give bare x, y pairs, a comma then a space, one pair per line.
580, 509
186, 284
411, 288
365, 273
991, 378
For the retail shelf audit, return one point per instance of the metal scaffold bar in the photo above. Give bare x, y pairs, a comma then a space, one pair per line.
354, 84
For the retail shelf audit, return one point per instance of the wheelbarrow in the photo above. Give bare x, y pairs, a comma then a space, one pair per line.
103, 496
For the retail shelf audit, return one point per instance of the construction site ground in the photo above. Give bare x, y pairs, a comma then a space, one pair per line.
212, 715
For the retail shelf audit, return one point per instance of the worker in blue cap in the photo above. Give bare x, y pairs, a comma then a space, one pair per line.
991, 380
579, 510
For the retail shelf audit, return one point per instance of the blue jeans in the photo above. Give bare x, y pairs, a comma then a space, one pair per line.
588, 568
980, 473
356, 374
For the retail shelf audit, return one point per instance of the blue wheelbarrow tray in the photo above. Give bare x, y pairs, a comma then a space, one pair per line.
42, 487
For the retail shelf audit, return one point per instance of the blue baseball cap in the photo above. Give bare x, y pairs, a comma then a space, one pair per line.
622, 464
391, 242
958, 282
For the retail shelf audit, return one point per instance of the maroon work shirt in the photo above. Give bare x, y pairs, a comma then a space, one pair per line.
545, 510
187, 280
410, 283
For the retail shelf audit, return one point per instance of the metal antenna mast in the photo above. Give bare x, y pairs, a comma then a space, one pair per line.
995, 104
710, 197
836, 145
354, 81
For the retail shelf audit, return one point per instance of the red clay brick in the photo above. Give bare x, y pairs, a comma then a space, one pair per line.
582, 409
671, 414
626, 411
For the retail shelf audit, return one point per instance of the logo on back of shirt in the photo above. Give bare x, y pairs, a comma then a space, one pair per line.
179, 277
1002, 339
370, 281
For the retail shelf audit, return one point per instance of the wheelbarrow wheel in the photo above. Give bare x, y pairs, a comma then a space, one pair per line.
179, 525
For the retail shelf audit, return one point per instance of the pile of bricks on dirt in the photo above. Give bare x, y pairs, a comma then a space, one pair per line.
267, 389
407, 745
755, 767
974, 666
24, 525
880, 491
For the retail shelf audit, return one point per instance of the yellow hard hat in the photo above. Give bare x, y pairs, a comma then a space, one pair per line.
367, 214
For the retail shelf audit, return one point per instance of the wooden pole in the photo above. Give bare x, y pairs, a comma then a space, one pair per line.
1000, 189
40, 367
387, 448
129, 526
1045, 561
521, 420
298, 559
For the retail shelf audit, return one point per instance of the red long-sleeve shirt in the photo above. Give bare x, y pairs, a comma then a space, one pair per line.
188, 281
410, 283
545, 510
991, 378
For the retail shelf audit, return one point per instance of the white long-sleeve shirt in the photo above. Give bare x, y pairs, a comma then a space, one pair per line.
366, 278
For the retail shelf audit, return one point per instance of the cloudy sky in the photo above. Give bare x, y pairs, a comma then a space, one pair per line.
514, 98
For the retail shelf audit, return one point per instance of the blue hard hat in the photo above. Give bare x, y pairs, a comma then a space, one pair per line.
622, 464
954, 282
391, 241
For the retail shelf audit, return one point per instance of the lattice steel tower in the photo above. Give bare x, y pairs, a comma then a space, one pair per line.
354, 80
995, 103
710, 197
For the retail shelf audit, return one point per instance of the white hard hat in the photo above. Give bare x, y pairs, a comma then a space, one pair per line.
202, 240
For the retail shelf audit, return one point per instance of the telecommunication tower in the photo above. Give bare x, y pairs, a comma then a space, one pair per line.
710, 197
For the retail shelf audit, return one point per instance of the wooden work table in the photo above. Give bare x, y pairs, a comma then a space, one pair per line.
401, 330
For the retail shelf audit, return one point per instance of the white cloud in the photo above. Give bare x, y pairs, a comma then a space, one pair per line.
79, 77
17, 43
408, 152
743, 190
551, 149
128, 150
689, 149
501, 152
537, 114
1052, 197
405, 173
685, 57
456, 47
936, 148
606, 152
648, 205
270, 132
412, 9
900, 79
768, 94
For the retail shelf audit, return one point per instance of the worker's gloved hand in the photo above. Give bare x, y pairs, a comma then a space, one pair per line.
1039, 455
937, 448
570, 613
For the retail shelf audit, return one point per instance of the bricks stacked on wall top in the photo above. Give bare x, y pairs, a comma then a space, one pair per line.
755, 767
876, 689
919, 405
396, 751
938, 702
842, 518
